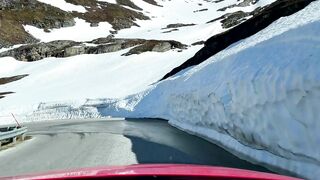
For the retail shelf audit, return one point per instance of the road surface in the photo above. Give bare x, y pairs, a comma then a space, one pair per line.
71, 144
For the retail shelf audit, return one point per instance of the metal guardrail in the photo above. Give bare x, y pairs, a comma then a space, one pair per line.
10, 134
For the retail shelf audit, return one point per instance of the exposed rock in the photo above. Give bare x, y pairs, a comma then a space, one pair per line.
241, 4
104, 48
177, 25
7, 3
153, 2
155, 46
38, 51
232, 19
118, 16
169, 31
16, 13
129, 4
2, 94
74, 50
94, 24
200, 10
6, 80
198, 43
162, 47
260, 20
102, 40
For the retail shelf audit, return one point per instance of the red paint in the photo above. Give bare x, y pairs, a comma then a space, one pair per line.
168, 171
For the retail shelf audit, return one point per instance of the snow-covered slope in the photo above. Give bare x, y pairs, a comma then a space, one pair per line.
258, 98
110, 75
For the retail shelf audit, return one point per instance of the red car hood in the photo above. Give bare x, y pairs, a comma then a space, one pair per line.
169, 171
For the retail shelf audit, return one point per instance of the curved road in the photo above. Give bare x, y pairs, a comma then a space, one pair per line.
70, 144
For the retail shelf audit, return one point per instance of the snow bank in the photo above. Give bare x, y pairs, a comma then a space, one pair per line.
259, 98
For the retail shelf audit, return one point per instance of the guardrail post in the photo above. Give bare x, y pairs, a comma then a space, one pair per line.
13, 134
23, 137
14, 140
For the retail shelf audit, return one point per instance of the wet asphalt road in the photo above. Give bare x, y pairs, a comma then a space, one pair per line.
72, 144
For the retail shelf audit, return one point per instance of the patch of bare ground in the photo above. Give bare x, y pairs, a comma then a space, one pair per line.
118, 16
6, 80
153, 2
15, 14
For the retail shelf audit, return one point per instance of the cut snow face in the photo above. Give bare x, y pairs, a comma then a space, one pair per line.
259, 98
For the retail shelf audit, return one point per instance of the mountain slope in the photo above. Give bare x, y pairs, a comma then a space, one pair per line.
79, 53
258, 97
260, 20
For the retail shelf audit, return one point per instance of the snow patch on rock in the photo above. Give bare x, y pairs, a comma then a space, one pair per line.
62, 4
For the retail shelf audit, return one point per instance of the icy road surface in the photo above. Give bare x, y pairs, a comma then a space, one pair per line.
62, 145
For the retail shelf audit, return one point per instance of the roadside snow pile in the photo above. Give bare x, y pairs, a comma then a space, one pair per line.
259, 98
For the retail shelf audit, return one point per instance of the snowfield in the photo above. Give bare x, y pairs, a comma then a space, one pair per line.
88, 76
108, 75
189, 14
82, 31
259, 98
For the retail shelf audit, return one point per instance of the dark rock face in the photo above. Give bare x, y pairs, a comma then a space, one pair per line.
64, 48
262, 18
6, 80
241, 4
39, 51
155, 46
2, 94
153, 2
177, 25
117, 15
232, 19
129, 4
16, 13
